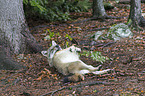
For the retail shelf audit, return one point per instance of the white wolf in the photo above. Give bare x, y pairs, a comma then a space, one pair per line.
67, 62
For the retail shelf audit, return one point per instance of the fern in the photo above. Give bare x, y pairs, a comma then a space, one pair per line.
53, 10
84, 5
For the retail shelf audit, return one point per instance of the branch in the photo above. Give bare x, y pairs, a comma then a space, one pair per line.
107, 44
97, 29
80, 85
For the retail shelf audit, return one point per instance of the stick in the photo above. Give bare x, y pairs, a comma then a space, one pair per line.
80, 85
97, 29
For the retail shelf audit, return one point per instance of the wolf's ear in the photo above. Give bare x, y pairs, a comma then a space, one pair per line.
44, 53
54, 43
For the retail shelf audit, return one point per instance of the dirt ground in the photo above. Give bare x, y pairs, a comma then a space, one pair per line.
127, 58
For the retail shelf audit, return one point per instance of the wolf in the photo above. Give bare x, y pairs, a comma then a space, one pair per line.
67, 62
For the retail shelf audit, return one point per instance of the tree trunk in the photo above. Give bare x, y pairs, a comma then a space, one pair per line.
98, 8
15, 37
99, 11
135, 14
11, 21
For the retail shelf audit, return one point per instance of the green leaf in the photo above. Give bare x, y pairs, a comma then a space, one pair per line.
25, 2
97, 56
36, 4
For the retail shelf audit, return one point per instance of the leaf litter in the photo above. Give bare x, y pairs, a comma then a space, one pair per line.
126, 58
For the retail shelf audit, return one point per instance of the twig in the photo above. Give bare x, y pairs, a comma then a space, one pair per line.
80, 85
109, 43
96, 29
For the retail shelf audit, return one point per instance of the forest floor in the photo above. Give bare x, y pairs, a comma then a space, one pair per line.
127, 58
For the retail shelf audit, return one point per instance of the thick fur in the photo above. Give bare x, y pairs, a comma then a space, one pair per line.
67, 61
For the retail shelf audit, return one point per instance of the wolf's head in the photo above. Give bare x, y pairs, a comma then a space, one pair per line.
51, 51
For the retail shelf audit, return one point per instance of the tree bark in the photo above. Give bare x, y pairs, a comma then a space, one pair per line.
135, 14
99, 11
11, 19
98, 8
15, 37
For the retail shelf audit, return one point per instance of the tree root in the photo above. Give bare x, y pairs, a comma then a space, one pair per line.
97, 18
31, 42
6, 62
105, 17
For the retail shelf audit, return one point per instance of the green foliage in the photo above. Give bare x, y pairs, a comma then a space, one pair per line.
50, 35
38, 5
68, 36
25, 1
67, 44
53, 10
84, 5
95, 56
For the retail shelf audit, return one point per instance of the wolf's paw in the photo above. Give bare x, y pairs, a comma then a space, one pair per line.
102, 72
